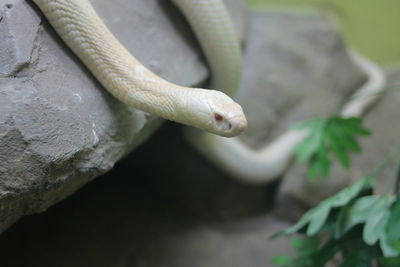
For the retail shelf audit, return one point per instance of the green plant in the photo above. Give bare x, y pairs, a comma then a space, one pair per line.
334, 135
354, 225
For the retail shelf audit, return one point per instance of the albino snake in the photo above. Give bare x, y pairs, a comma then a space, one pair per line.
128, 80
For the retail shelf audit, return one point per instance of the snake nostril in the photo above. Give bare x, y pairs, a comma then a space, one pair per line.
229, 126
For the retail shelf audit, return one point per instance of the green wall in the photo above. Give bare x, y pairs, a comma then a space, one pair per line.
370, 26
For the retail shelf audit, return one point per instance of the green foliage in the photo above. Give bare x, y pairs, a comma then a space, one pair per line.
305, 249
334, 135
313, 221
360, 226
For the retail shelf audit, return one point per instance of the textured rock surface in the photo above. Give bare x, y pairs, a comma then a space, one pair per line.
296, 67
58, 127
297, 194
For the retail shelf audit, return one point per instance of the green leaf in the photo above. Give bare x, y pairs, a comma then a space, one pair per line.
283, 260
333, 135
371, 210
345, 195
326, 253
390, 239
338, 149
296, 227
393, 225
317, 217
307, 249
389, 262
375, 225
305, 246
387, 250
306, 149
355, 214
354, 125
358, 258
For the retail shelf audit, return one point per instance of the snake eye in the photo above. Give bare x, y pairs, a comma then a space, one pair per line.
218, 117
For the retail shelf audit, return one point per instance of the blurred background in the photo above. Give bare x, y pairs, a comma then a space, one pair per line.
367, 25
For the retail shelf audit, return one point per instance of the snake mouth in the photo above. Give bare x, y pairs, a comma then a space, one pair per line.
237, 124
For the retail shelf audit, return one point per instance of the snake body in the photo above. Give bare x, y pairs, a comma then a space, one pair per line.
127, 79
212, 24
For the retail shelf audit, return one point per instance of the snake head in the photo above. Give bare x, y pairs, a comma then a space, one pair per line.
215, 112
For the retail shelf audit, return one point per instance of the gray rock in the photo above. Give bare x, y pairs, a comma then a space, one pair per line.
296, 67
58, 128
297, 194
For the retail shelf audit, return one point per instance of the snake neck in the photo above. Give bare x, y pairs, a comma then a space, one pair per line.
108, 60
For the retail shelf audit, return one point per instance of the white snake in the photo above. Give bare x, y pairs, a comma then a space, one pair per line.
127, 79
